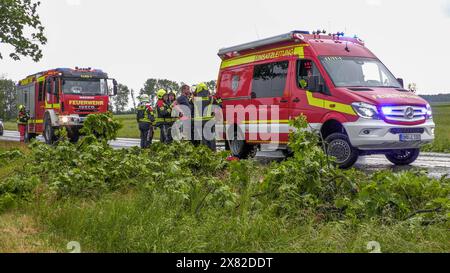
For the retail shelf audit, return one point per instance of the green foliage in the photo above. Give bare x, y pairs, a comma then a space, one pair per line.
103, 126
8, 99
18, 17
120, 101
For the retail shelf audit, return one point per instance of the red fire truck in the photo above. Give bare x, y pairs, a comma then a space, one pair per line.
343, 89
63, 98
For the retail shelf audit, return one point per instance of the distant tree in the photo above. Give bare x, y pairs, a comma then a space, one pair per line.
8, 97
151, 86
120, 102
17, 19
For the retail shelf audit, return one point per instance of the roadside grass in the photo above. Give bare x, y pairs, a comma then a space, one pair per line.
137, 222
10, 125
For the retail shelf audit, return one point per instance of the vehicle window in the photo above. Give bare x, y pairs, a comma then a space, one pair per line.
309, 77
41, 95
269, 80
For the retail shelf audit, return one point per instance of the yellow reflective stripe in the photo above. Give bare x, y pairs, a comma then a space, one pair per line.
37, 121
330, 105
41, 79
52, 106
259, 56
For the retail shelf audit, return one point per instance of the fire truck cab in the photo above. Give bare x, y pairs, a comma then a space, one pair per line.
63, 98
346, 93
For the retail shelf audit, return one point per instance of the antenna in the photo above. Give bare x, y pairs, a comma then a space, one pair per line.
257, 33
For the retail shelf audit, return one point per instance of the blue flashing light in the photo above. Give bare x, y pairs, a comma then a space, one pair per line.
387, 110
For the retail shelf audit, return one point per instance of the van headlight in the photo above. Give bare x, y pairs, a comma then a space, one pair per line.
429, 112
366, 110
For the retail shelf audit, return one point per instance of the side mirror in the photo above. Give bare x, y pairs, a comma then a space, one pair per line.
401, 82
115, 87
253, 95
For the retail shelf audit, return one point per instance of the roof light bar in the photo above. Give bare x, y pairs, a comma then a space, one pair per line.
267, 41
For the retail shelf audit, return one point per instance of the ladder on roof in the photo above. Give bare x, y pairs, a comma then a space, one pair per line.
260, 43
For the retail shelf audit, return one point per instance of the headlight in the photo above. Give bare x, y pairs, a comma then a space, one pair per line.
64, 119
429, 112
366, 110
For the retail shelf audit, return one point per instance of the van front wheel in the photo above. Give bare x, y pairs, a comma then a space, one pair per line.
338, 145
403, 157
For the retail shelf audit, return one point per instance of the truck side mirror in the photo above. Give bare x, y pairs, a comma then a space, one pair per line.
115, 88
401, 82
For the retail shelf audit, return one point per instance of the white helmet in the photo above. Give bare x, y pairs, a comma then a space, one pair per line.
144, 98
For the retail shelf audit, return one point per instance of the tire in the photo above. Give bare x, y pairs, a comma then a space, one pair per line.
49, 131
1, 131
403, 157
338, 145
240, 148
74, 135
27, 137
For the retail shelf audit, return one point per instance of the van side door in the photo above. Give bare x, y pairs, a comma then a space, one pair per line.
270, 96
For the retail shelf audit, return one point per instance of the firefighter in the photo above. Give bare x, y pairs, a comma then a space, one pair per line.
187, 108
145, 119
22, 122
203, 115
163, 113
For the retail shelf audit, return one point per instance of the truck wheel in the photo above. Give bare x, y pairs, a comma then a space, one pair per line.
338, 145
49, 131
403, 157
74, 137
238, 147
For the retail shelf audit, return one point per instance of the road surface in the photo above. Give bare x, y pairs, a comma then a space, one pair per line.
436, 164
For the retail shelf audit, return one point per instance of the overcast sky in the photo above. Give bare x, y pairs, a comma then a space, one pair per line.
134, 40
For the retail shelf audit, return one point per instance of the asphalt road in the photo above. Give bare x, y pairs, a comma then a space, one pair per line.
436, 164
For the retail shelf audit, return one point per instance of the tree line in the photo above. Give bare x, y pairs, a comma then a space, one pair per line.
119, 104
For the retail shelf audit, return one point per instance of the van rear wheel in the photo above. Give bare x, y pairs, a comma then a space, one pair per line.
403, 157
238, 146
338, 145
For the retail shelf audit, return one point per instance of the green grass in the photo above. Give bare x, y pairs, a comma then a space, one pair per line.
10, 125
442, 120
136, 222
130, 127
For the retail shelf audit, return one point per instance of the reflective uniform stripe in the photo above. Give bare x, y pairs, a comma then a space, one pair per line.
330, 105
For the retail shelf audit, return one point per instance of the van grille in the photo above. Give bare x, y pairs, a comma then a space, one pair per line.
405, 113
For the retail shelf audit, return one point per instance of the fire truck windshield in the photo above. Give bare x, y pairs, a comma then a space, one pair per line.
358, 72
89, 87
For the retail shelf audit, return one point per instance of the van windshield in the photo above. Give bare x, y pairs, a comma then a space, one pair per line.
358, 72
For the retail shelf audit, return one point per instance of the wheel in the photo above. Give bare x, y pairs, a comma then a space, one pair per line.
338, 145
403, 157
1, 131
74, 135
49, 131
238, 146
27, 137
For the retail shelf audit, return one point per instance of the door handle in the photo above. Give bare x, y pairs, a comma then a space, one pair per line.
296, 100
284, 101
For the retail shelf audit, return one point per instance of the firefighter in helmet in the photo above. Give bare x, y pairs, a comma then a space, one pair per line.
145, 119
204, 124
22, 122
163, 115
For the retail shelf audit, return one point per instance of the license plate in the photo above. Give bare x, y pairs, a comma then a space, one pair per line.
410, 137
